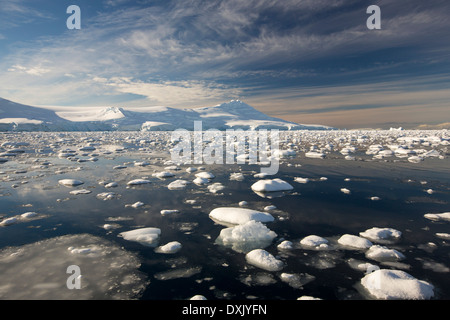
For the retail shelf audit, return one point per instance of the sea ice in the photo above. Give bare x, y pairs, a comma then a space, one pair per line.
145, 236
80, 191
314, 241
8, 221
345, 190
169, 211
216, 187
381, 235
271, 185
233, 215
356, 242
70, 182
138, 182
438, 216
396, 285
163, 174
382, 254
178, 184
286, 245
205, 175
301, 180
169, 248
262, 259
38, 270
246, 237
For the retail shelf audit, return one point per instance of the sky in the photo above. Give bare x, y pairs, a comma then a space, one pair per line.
307, 61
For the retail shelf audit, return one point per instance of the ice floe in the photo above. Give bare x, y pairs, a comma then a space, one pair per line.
396, 285
235, 215
145, 236
169, 248
38, 270
382, 254
246, 237
262, 259
355, 242
138, 182
315, 242
445, 216
381, 235
271, 185
70, 182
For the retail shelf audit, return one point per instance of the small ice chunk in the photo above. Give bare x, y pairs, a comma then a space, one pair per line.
295, 280
345, 190
178, 184
269, 208
70, 182
191, 169
205, 175
8, 221
396, 285
111, 185
243, 203
237, 176
106, 195
374, 198
145, 236
314, 241
271, 185
198, 297
286, 245
442, 235
200, 181
28, 215
301, 180
233, 215
438, 216
308, 298
163, 174
135, 205
376, 234
262, 259
382, 254
246, 237
216, 187
80, 191
315, 155
138, 182
171, 247
356, 242
166, 212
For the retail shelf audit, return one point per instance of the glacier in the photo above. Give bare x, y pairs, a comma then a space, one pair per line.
230, 115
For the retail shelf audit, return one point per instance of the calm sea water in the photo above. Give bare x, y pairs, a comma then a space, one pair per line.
29, 182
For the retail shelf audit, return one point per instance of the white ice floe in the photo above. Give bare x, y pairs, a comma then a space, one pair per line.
374, 198
8, 221
285, 245
308, 298
111, 185
38, 270
237, 176
106, 195
216, 187
138, 182
28, 215
382, 235
80, 191
201, 181
169, 248
352, 241
315, 242
205, 175
382, 254
296, 280
396, 285
262, 259
198, 297
271, 185
163, 174
246, 237
135, 205
315, 155
169, 211
445, 216
178, 184
70, 182
234, 215
346, 191
363, 266
145, 236
301, 180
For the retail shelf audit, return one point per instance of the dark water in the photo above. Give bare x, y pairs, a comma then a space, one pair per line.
217, 272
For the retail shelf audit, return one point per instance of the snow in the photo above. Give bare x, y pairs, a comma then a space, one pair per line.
70, 182
352, 241
178, 184
145, 236
396, 284
262, 259
271, 185
285, 245
80, 191
234, 215
169, 211
205, 175
246, 237
445, 216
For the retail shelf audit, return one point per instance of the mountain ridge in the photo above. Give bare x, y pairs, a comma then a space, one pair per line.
229, 115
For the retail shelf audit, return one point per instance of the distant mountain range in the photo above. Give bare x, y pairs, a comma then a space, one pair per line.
231, 115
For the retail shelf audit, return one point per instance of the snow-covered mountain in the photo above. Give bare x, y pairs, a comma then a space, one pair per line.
231, 115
